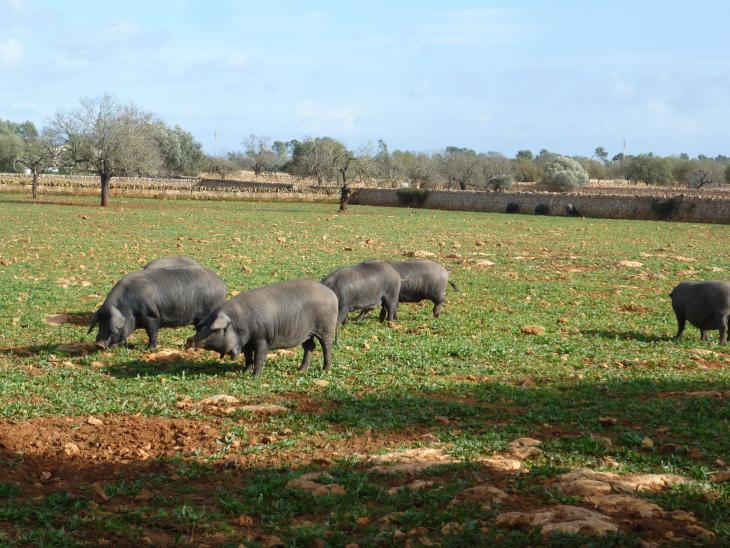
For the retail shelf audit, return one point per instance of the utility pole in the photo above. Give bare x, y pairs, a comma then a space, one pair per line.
215, 141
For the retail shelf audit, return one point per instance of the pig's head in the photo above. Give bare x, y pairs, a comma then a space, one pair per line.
216, 332
114, 327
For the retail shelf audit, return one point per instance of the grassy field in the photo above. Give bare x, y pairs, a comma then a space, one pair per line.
111, 448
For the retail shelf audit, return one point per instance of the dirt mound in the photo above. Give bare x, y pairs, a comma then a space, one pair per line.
116, 439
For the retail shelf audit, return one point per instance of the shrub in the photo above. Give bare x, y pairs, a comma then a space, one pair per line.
513, 207
501, 182
665, 209
412, 197
563, 174
542, 209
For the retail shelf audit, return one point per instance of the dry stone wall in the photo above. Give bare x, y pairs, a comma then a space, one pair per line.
668, 207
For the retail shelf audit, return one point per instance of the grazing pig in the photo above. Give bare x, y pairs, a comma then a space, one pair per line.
706, 305
160, 297
270, 317
363, 287
173, 262
421, 279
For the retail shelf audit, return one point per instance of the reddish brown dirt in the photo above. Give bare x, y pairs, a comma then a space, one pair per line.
118, 439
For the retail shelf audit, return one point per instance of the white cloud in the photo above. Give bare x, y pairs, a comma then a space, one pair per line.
325, 120
11, 52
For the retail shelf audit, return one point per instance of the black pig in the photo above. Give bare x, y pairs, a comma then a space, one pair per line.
706, 305
155, 298
365, 286
270, 317
172, 262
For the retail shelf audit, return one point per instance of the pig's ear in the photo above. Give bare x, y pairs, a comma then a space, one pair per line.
221, 322
116, 319
94, 321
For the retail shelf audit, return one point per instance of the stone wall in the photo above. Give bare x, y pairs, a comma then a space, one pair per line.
257, 195
672, 207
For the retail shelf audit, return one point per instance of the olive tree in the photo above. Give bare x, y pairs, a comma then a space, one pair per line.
561, 174
109, 139
38, 153
704, 173
317, 157
260, 154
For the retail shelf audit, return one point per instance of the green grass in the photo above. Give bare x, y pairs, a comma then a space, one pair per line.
606, 351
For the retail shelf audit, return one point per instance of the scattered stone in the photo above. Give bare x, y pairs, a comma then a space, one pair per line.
647, 443
362, 521
244, 521
630, 264
608, 421
586, 483
560, 519
93, 421
410, 461
533, 329
164, 355
486, 495
71, 449
416, 485
320, 382
624, 504
502, 464
483, 263
307, 483
420, 253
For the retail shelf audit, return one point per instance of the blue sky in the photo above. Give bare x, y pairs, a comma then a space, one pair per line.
563, 75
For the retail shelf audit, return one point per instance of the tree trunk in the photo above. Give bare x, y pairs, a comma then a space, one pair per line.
34, 185
344, 191
105, 189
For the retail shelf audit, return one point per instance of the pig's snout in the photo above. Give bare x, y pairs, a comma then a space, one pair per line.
190, 343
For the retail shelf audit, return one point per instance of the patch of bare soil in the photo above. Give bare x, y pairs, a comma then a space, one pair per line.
109, 438
81, 319
632, 307
223, 404
410, 461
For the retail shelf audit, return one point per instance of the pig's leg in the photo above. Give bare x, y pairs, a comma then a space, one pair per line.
152, 326
703, 335
308, 346
326, 343
342, 316
248, 358
260, 351
364, 312
723, 329
437, 308
681, 321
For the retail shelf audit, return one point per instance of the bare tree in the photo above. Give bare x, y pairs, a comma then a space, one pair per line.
259, 153
109, 139
461, 166
38, 153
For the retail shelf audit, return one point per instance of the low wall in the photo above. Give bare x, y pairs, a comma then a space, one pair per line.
671, 207
175, 194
